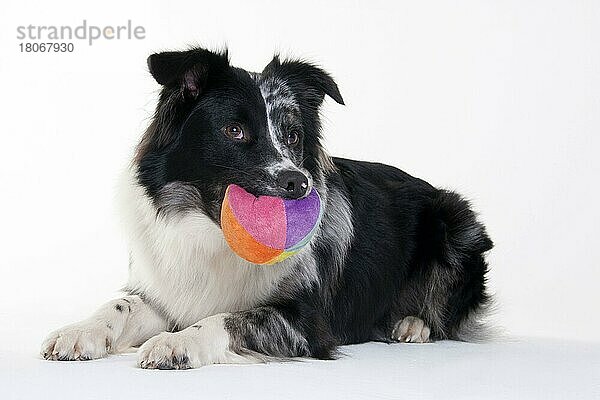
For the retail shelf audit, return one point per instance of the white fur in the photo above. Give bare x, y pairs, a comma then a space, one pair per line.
206, 342
188, 273
336, 223
411, 330
115, 327
479, 325
272, 89
275, 94
184, 267
184, 263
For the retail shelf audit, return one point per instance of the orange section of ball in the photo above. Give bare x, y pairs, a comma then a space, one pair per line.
241, 241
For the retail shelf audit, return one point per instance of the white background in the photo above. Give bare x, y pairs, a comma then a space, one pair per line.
498, 100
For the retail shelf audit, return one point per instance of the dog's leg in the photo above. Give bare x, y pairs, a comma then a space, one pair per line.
116, 326
241, 337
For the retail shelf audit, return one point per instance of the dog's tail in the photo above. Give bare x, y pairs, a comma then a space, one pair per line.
456, 243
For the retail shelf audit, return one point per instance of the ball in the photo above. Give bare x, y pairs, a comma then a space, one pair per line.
266, 229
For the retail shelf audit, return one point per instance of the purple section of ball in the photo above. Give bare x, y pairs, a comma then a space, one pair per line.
301, 215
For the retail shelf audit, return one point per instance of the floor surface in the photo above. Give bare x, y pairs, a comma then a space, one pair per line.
516, 369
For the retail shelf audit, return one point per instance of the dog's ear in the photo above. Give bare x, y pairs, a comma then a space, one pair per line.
189, 70
306, 79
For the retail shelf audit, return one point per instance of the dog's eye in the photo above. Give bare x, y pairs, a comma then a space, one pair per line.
292, 138
235, 132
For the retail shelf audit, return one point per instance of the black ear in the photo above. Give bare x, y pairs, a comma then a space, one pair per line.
305, 78
188, 70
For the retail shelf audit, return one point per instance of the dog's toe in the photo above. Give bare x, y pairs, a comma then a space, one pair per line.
164, 351
78, 342
411, 330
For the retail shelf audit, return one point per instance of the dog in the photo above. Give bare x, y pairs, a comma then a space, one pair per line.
393, 259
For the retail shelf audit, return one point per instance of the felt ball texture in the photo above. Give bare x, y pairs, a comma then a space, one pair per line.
266, 229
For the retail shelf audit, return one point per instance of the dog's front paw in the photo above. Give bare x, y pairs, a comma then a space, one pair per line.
411, 330
204, 343
168, 351
82, 341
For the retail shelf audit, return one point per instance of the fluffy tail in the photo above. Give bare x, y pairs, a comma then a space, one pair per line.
455, 243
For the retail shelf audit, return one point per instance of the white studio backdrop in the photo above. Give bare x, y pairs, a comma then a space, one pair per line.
498, 100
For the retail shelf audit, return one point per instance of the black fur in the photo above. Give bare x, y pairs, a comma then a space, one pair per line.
413, 250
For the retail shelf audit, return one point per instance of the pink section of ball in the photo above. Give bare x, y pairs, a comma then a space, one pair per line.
263, 217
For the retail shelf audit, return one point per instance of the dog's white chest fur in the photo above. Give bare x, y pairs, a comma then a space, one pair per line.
185, 264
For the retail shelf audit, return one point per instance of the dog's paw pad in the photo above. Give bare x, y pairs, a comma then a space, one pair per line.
411, 330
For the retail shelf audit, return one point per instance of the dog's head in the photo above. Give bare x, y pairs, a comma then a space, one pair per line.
216, 125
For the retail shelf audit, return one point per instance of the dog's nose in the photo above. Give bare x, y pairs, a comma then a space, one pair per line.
294, 183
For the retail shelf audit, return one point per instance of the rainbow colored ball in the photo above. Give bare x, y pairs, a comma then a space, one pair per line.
265, 229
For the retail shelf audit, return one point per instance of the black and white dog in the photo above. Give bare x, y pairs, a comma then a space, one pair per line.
393, 259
